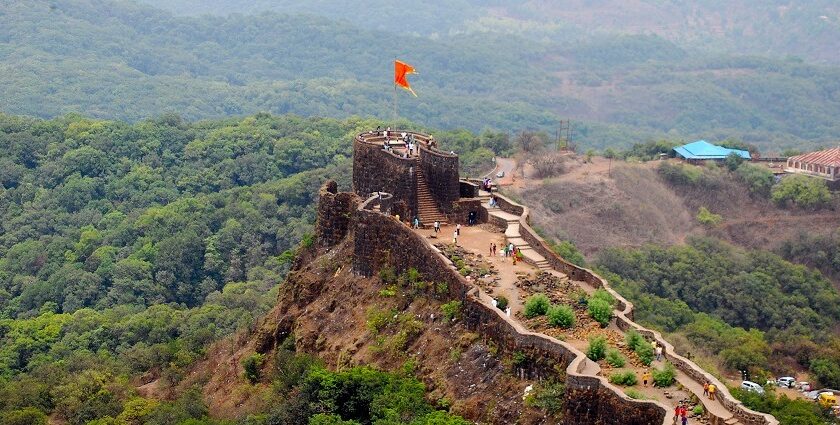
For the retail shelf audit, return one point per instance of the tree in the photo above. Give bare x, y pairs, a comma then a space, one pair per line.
733, 161
803, 191
759, 179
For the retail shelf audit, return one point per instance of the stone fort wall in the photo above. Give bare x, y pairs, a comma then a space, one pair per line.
380, 240
377, 170
624, 320
442, 176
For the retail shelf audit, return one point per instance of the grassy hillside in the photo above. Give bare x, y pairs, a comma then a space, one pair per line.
120, 60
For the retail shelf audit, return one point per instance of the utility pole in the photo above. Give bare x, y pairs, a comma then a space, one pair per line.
564, 135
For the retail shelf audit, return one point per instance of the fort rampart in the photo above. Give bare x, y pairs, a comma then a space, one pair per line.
380, 240
624, 320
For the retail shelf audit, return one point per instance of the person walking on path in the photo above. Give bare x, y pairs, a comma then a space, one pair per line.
677, 411
712, 390
659, 353
646, 377
455, 238
437, 226
684, 415
458, 229
416, 222
706, 389
494, 249
491, 249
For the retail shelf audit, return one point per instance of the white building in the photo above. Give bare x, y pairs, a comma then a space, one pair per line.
823, 164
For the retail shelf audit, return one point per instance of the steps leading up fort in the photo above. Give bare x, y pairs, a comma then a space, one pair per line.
512, 235
427, 209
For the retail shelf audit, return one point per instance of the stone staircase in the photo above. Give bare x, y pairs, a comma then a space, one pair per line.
512, 235
427, 209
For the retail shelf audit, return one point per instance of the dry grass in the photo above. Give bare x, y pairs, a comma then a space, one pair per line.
632, 208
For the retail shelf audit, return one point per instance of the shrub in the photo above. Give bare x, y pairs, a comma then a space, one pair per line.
708, 218
561, 315
759, 179
451, 310
569, 252
615, 359
597, 349
387, 275
548, 396
537, 305
252, 365
664, 377
601, 311
627, 378
635, 395
633, 339
602, 294
698, 410
645, 352
501, 303
805, 192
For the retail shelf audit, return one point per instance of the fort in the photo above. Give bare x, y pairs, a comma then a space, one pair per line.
404, 174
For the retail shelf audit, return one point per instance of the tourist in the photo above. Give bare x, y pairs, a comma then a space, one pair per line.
494, 250
712, 390
646, 377
659, 353
437, 226
677, 411
491, 249
458, 229
684, 416
416, 222
455, 238
706, 389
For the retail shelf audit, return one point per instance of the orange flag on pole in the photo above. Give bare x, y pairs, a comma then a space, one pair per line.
401, 70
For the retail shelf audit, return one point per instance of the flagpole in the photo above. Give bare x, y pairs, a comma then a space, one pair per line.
396, 114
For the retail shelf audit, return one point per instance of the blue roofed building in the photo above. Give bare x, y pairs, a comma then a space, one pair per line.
702, 150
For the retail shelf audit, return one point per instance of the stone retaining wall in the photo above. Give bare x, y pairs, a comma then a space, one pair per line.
624, 320
380, 240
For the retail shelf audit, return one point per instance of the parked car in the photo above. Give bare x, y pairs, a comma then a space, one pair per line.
815, 395
827, 399
752, 386
786, 382
803, 386
500, 174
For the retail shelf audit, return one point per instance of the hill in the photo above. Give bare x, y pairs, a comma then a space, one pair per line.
121, 60
749, 27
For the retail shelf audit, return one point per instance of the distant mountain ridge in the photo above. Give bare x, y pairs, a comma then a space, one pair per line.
122, 60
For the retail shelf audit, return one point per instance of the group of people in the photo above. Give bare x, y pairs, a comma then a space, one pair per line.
681, 413
508, 250
487, 184
709, 390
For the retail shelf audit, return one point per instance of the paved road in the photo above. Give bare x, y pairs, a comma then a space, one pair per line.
503, 164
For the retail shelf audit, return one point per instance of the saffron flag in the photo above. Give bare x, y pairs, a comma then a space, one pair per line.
401, 70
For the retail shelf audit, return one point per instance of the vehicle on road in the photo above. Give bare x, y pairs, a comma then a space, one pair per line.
500, 174
752, 386
827, 399
786, 382
815, 395
803, 386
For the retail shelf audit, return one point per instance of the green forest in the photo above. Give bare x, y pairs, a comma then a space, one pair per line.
121, 60
753, 310
126, 247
